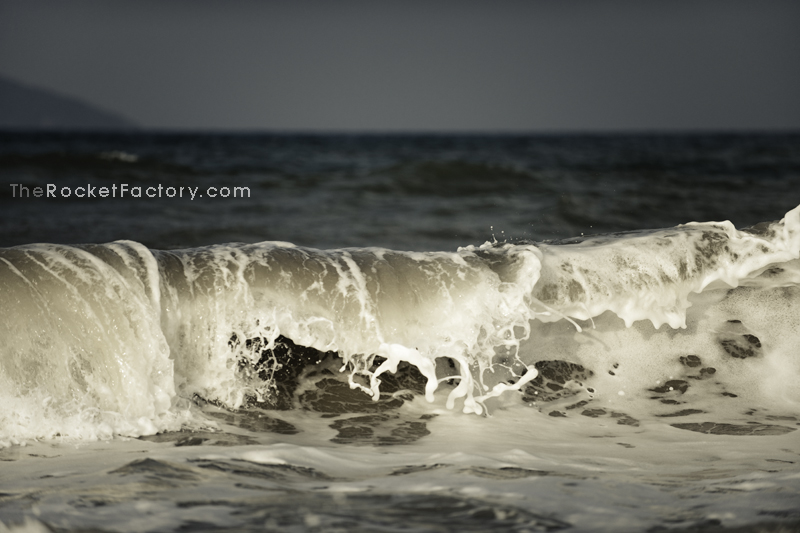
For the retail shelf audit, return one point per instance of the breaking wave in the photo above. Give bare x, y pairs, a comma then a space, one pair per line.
697, 321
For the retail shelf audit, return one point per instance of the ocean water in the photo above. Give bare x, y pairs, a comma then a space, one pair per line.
399, 333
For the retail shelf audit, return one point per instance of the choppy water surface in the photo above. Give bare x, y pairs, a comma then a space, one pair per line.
634, 381
401, 192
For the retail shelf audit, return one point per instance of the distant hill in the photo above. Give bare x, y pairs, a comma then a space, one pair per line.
23, 107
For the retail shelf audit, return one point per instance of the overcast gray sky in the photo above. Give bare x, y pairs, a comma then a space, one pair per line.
466, 65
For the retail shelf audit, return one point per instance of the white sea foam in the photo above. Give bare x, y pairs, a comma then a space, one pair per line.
117, 155
114, 339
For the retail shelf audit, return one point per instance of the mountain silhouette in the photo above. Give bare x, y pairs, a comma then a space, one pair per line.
23, 107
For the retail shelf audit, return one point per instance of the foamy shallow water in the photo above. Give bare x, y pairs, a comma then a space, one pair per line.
633, 382
515, 471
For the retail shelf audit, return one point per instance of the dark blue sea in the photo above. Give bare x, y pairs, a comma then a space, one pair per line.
405, 192
399, 333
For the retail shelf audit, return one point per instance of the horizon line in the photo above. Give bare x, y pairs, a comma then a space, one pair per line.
405, 132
